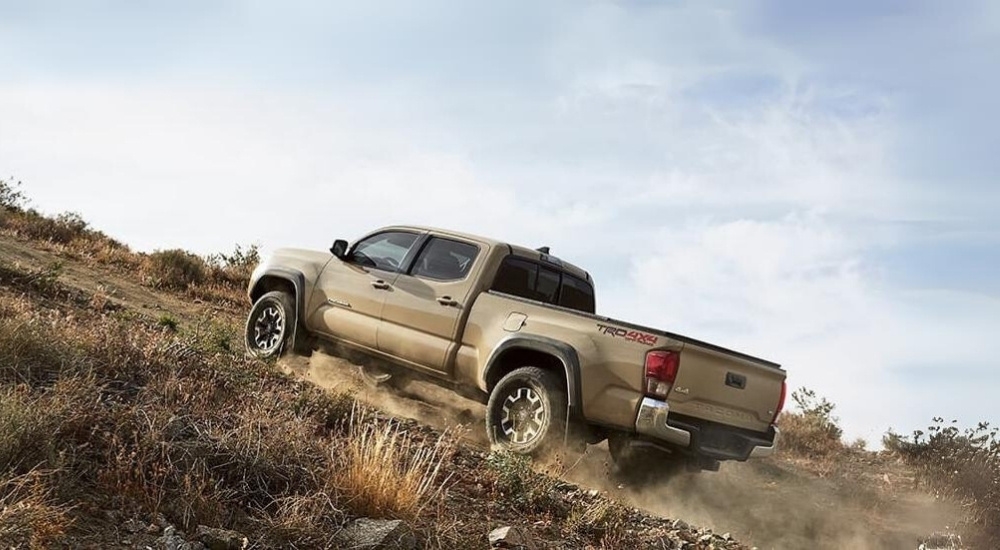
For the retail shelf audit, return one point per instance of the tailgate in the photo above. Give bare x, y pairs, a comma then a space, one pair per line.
725, 387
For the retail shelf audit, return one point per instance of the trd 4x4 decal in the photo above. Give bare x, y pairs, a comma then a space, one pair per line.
629, 335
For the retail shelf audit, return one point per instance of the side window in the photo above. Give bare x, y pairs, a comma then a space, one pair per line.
517, 278
444, 260
383, 251
576, 294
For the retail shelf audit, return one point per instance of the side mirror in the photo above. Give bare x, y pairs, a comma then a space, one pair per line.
339, 248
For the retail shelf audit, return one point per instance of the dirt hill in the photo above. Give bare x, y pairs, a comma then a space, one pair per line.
130, 418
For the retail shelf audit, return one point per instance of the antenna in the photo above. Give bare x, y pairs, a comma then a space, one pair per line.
543, 250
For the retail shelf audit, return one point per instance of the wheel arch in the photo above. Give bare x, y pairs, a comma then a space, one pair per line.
288, 280
538, 351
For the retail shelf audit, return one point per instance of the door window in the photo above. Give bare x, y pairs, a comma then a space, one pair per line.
444, 260
383, 251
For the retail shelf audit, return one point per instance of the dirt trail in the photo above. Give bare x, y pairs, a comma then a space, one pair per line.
770, 504
102, 282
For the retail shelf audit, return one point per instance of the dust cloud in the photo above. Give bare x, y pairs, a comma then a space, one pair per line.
769, 504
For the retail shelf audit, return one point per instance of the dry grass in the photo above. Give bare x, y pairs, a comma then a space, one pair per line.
963, 465
158, 415
386, 472
807, 436
812, 433
220, 278
135, 418
29, 517
603, 518
175, 269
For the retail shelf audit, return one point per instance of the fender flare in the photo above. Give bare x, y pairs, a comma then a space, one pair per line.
560, 350
298, 281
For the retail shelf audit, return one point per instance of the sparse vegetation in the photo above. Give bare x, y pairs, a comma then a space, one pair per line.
963, 465
168, 322
175, 269
11, 197
28, 516
515, 483
813, 431
218, 278
104, 407
386, 472
121, 414
124, 413
239, 263
603, 518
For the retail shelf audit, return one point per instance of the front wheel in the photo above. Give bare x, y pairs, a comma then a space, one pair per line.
526, 412
269, 325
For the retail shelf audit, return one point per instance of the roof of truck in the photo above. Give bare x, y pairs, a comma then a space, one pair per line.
517, 250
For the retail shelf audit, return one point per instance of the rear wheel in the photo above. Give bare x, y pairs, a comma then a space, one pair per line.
526, 412
270, 324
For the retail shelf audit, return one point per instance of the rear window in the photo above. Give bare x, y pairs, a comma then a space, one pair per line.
530, 280
576, 294
517, 277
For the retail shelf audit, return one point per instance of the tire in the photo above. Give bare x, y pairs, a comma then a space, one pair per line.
526, 412
270, 325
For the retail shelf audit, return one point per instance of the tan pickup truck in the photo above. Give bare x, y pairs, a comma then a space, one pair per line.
519, 325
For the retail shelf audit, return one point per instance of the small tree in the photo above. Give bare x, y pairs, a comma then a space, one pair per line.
11, 197
813, 431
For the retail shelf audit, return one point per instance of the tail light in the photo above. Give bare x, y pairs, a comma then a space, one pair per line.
661, 371
781, 402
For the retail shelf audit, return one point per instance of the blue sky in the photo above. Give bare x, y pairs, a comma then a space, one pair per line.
813, 184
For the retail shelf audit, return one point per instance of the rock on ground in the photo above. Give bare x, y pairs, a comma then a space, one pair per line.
377, 534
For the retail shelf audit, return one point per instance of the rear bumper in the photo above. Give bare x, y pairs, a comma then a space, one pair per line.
700, 437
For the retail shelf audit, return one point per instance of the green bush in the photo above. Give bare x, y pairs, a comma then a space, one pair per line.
517, 484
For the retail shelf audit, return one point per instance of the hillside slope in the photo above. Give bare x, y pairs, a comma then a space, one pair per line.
866, 502
129, 417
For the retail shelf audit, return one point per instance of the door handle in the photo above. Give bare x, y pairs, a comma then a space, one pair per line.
380, 284
447, 301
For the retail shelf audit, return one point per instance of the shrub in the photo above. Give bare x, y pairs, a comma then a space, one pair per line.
517, 484
813, 432
598, 518
175, 269
962, 465
63, 229
240, 261
168, 322
11, 197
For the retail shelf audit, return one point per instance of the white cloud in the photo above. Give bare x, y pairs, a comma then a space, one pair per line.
713, 183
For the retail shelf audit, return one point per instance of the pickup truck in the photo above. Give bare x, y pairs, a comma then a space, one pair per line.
518, 326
